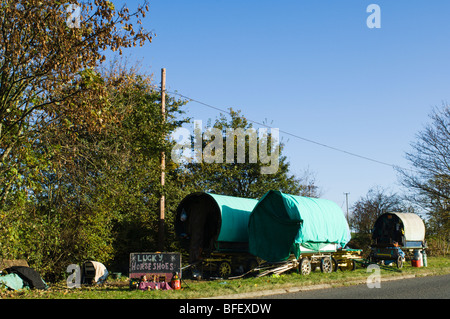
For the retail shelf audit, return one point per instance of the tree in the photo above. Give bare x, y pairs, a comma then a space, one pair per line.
429, 180
53, 105
97, 197
140, 137
47, 65
224, 170
368, 208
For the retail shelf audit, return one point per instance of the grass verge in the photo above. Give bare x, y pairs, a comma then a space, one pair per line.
119, 289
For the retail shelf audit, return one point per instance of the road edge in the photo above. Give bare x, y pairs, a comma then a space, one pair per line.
262, 293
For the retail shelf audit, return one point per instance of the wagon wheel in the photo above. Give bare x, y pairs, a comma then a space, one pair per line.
224, 269
326, 265
350, 265
335, 264
399, 262
305, 266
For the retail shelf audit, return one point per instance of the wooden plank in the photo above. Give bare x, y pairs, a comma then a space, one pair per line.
6, 263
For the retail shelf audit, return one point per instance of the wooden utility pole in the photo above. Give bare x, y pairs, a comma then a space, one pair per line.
162, 204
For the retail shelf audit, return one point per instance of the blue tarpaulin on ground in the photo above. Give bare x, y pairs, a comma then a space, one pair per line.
12, 281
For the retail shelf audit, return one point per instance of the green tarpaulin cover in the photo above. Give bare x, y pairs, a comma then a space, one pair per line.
235, 212
280, 223
213, 222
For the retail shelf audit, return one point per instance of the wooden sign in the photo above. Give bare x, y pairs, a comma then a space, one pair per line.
159, 264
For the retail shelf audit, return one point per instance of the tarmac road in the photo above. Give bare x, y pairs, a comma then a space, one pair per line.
429, 287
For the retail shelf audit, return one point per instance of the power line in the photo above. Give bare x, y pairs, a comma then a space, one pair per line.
293, 135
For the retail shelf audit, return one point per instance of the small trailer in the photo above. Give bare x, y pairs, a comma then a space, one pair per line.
225, 264
397, 237
304, 264
322, 258
387, 256
346, 259
328, 260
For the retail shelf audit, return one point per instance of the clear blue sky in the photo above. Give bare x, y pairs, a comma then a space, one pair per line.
314, 69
